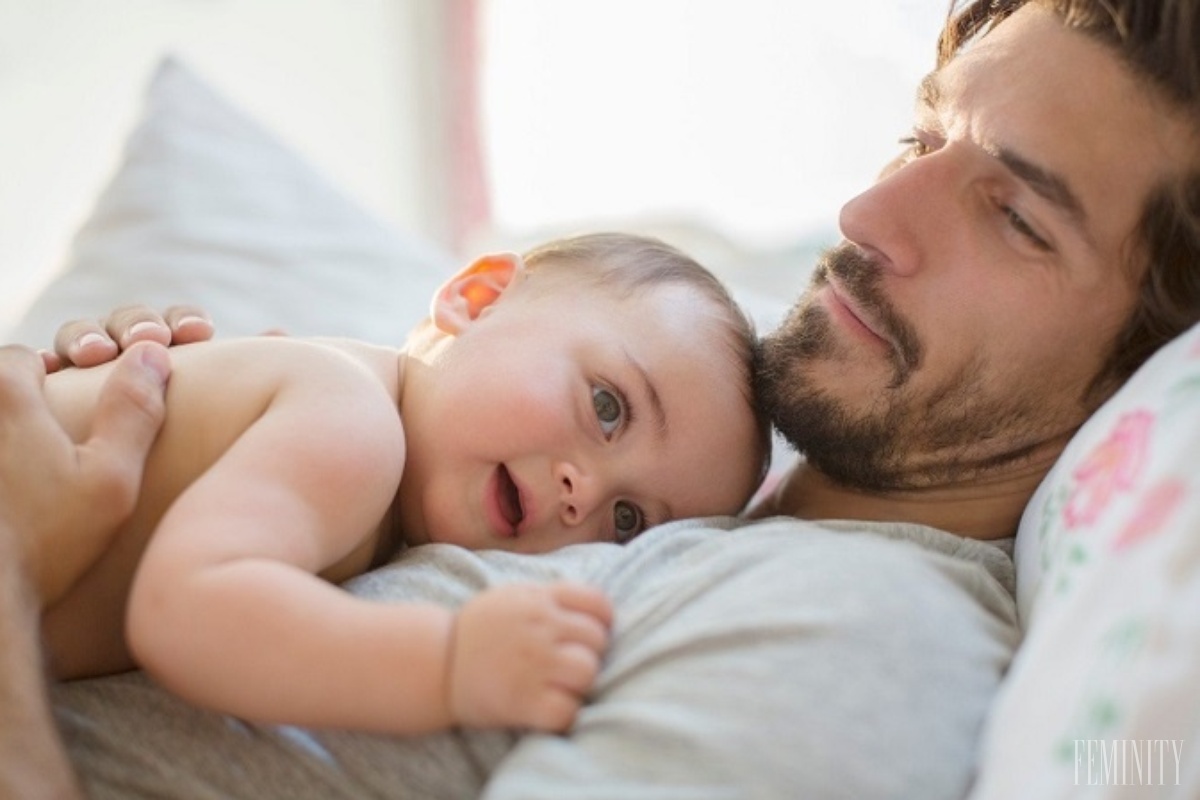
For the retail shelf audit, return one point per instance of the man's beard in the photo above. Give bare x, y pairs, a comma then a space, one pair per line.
901, 440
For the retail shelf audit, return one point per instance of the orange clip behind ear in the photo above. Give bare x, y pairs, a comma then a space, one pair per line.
461, 300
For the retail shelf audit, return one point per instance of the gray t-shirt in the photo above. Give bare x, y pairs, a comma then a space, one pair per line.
778, 658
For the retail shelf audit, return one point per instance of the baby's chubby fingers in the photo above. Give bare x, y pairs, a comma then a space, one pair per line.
576, 668
527, 654
575, 633
552, 711
569, 678
584, 600
583, 628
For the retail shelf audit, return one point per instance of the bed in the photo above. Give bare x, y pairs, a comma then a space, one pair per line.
1092, 667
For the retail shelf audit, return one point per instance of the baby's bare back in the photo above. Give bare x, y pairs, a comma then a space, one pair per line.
216, 391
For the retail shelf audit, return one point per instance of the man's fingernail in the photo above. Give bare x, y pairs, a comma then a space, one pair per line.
139, 327
183, 322
89, 339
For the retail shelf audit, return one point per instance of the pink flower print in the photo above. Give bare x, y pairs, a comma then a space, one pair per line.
1112, 467
1153, 512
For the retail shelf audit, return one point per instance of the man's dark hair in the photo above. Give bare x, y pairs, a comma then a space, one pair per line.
1159, 42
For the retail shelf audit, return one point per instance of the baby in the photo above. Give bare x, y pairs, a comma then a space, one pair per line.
596, 388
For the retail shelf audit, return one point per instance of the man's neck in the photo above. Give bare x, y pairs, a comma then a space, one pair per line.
984, 509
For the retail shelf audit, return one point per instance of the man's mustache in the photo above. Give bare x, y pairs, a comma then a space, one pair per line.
860, 277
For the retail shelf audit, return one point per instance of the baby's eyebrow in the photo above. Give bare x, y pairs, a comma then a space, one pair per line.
650, 392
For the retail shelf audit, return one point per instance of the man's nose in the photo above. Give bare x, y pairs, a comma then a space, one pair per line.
579, 492
898, 219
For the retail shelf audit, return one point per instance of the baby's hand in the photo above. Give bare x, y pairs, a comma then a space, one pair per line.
526, 655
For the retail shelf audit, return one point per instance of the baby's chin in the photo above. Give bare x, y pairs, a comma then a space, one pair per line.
445, 534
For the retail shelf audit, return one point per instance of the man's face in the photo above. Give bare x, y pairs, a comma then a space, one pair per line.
956, 329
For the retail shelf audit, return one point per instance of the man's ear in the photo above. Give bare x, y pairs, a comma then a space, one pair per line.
461, 300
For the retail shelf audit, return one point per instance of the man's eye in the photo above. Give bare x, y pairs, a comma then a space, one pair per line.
608, 410
1022, 227
628, 520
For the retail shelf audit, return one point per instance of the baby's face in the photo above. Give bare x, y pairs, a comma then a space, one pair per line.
569, 415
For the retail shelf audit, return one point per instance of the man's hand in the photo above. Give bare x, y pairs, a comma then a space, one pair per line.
52, 489
526, 655
86, 343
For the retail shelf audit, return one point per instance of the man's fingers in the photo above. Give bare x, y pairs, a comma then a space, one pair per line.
129, 413
51, 362
188, 324
21, 376
137, 324
66, 510
85, 343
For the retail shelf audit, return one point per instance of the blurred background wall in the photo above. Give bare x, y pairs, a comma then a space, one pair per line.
477, 121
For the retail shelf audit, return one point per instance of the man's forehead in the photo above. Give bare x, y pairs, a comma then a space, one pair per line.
1065, 102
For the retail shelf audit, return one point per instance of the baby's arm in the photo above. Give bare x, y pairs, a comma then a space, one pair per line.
226, 608
227, 612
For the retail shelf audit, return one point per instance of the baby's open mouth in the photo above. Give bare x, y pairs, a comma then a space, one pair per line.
510, 499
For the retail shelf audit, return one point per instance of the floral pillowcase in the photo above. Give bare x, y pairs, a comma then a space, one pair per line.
1105, 689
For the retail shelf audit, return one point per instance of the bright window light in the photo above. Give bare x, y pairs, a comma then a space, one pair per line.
760, 117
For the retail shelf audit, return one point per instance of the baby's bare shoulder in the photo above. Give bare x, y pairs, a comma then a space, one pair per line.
225, 386
269, 362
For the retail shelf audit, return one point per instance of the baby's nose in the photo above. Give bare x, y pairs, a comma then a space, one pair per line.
578, 493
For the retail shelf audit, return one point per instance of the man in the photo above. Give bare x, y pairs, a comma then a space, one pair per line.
1034, 243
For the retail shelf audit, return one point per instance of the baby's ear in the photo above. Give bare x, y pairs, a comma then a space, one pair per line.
461, 300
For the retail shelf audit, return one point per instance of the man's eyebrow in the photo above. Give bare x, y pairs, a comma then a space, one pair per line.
1045, 183
651, 393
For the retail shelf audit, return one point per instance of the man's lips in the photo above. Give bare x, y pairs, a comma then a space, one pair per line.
505, 507
851, 313
850, 278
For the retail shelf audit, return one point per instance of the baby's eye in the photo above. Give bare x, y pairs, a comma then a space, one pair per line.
628, 520
608, 410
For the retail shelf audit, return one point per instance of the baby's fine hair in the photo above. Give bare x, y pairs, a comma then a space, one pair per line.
625, 264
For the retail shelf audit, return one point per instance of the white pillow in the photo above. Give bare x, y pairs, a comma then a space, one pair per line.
209, 208
1108, 590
